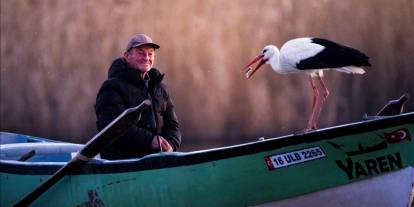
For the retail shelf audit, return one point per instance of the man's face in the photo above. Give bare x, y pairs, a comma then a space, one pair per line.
141, 58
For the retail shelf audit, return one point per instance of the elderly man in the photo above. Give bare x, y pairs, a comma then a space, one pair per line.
131, 80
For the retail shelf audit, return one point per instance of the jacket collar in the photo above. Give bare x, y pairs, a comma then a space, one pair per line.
120, 69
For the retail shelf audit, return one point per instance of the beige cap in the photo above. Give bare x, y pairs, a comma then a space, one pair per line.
140, 39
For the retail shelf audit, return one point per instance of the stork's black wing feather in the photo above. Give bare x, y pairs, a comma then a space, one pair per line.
333, 56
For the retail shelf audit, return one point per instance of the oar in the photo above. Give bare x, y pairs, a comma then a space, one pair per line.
99, 142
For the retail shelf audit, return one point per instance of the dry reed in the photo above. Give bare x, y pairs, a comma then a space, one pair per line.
55, 55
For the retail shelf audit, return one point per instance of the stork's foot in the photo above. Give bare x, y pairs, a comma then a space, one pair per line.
304, 131
311, 126
308, 130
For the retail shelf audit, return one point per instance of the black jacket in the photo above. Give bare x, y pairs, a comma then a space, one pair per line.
125, 89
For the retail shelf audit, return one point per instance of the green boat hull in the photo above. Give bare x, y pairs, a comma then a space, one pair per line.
243, 175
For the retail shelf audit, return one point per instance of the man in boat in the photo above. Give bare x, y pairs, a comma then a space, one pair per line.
131, 80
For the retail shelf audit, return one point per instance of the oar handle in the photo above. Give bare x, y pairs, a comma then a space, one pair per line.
99, 142
114, 130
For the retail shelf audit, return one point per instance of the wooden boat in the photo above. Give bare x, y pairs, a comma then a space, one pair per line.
266, 171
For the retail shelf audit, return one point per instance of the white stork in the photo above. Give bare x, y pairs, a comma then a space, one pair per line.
311, 56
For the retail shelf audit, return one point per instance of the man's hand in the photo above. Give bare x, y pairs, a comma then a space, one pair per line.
161, 144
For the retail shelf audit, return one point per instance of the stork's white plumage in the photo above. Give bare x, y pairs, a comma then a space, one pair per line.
311, 56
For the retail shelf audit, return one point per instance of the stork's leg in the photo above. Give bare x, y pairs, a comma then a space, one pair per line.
325, 89
311, 121
324, 98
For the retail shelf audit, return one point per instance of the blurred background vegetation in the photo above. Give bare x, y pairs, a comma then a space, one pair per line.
55, 55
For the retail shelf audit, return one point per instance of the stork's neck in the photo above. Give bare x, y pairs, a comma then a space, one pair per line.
274, 60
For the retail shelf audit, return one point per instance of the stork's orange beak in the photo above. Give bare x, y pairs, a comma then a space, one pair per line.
249, 70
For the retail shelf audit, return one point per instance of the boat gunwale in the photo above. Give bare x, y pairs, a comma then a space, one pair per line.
176, 159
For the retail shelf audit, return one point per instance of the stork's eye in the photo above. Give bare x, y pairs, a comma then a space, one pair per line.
265, 50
